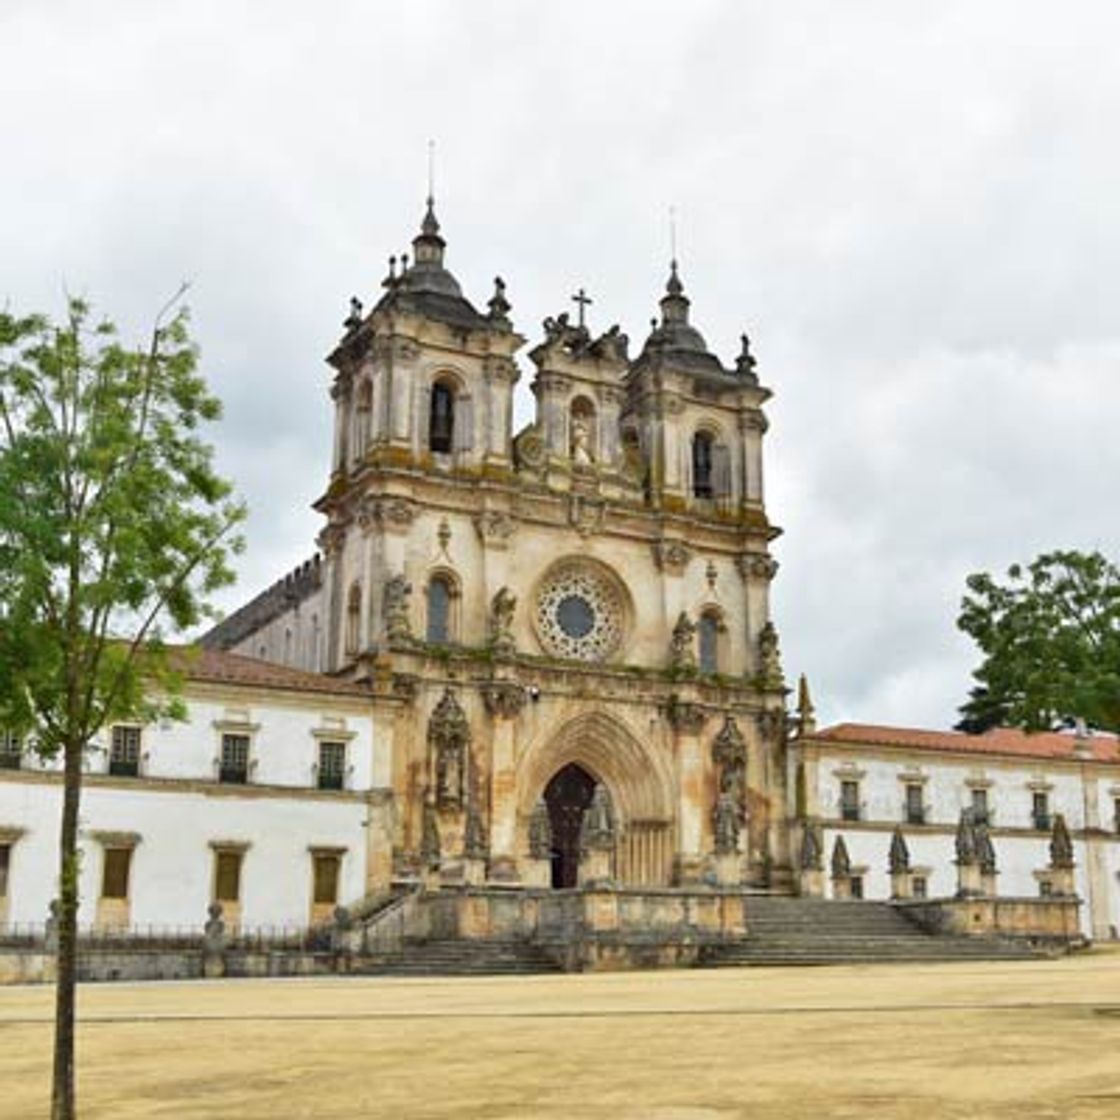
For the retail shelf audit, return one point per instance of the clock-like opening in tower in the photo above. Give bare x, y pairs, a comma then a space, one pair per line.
567, 796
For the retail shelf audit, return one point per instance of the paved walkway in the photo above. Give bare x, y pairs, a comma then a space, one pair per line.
1022, 1040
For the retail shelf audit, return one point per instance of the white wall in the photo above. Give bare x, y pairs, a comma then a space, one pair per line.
178, 807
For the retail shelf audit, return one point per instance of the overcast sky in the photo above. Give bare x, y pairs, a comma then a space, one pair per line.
913, 208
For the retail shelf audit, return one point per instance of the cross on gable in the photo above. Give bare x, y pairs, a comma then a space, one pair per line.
582, 299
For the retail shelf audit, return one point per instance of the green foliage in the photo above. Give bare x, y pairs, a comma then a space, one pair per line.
1051, 643
114, 525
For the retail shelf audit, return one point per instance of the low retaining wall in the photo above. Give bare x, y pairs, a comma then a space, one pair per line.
1052, 919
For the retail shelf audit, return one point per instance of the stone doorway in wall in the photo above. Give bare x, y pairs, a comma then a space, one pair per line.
567, 796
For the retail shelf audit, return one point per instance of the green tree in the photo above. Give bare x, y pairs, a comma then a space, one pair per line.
1050, 637
114, 529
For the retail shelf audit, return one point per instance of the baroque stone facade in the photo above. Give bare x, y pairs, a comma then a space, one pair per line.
579, 605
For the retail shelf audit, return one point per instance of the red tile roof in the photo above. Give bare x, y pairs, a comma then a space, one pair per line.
216, 667
1001, 740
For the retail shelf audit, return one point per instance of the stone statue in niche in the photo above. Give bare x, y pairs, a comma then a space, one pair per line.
729, 753
397, 626
682, 645
502, 608
581, 442
540, 831
449, 736
726, 825
597, 831
769, 660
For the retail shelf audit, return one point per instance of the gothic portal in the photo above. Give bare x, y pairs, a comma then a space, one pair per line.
575, 611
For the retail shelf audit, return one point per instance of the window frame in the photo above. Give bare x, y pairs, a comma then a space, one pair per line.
442, 388
120, 764
703, 467
227, 772
110, 857
325, 776
11, 750
850, 809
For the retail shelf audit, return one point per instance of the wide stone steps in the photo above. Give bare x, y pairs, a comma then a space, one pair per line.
816, 931
462, 958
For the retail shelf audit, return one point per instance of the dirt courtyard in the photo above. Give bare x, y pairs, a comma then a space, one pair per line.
1037, 1039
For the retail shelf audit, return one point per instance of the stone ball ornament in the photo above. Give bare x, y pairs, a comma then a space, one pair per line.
580, 611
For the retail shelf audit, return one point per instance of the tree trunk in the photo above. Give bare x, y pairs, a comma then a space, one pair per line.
62, 1090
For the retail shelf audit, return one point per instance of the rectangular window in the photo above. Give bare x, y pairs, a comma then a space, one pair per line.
919, 886
114, 878
1040, 811
1116, 815
915, 809
326, 868
5, 867
849, 800
1045, 888
227, 876
857, 886
235, 759
980, 806
124, 752
332, 765
10, 756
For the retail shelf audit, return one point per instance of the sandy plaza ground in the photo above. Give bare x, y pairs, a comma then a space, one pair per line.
1037, 1039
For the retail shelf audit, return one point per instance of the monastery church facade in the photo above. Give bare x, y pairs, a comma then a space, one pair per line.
581, 605
543, 659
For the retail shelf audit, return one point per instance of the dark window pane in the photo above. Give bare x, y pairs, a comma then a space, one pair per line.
124, 752
5, 865
576, 616
857, 886
235, 758
441, 421
709, 644
439, 610
919, 886
10, 756
332, 765
849, 800
702, 465
915, 810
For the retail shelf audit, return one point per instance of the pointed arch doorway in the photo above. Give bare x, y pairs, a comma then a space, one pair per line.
567, 796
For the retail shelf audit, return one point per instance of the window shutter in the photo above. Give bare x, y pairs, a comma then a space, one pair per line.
721, 470
464, 423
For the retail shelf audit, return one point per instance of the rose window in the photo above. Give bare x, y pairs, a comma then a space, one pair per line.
579, 613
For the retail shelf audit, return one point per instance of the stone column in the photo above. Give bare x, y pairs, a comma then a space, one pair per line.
687, 720
504, 700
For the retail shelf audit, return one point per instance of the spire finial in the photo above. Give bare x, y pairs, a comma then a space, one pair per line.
806, 715
431, 172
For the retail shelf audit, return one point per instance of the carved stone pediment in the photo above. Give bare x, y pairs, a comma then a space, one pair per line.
585, 514
685, 716
383, 512
503, 699
755, 564
495, 528
671, 556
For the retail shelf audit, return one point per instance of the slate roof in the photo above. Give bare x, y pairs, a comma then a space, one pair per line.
1009, 741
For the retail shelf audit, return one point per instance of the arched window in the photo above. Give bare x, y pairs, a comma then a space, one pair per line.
439, 610
353, 618
709, 642
441, 418
702, 465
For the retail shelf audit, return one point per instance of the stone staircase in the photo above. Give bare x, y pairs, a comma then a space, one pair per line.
460, 957
804, 931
